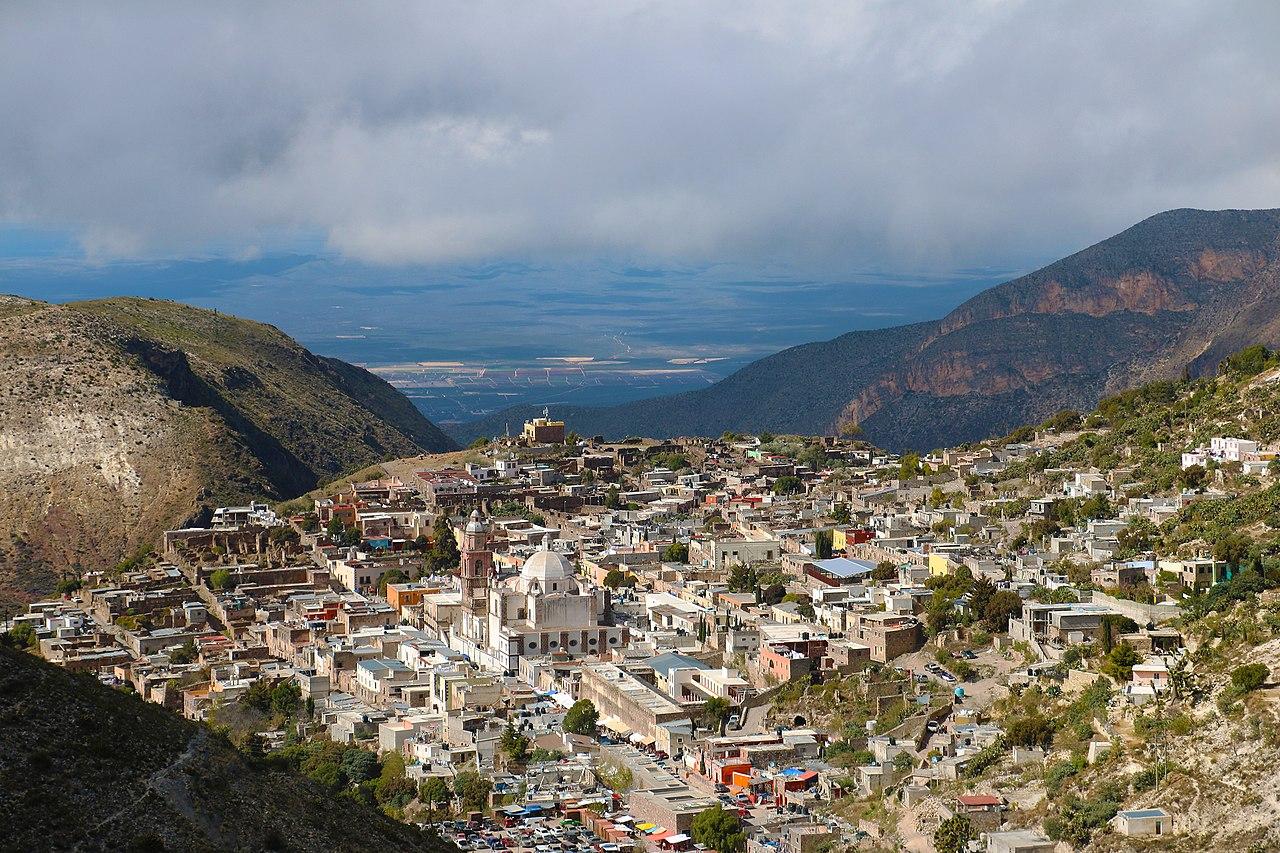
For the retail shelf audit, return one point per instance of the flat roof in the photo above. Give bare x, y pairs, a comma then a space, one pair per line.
843, 567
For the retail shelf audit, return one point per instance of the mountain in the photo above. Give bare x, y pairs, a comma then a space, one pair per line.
1176, 292
86, 767
123, 417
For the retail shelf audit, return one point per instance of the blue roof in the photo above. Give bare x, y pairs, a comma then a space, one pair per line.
1141, 813
843, 567
666, 662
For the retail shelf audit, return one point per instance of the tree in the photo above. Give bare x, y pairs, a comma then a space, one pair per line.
1096, 507
953, 835
1120, 662
1232, 549
66, 586
612, 498
220, 580
1111, 627
393, 789
841, 513
582, 718
908, 466
1193, 477
720, 830
980, 595
286, 695
20, 637
1136, 536
617, 578
444, 556
187, 654
1032, 730
742, 578
676, 552
1003, 605
390, 576
715, 711
435, 793
822, 544
787, 485
1249, 677
884, 571
358, 765
472, 789
514, 744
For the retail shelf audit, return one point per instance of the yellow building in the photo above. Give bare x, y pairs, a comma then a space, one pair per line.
543, 430
939, 565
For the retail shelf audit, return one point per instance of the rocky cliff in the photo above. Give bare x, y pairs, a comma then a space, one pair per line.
1176, 292
123, 417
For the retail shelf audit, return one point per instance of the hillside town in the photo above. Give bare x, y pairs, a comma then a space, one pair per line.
752, 643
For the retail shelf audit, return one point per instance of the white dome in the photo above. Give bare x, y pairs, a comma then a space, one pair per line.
475, 525
546, 566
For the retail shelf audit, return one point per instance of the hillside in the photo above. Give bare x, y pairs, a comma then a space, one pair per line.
1176, 292
87, 767
123, 417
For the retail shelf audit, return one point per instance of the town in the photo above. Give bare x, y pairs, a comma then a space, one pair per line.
752, 643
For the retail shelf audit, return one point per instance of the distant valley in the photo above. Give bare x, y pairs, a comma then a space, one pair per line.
1173, 294
466, 341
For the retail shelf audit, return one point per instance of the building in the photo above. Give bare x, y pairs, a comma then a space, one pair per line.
1143, 822
672, 808
888, 634
543, 430
722, 554
543, 610
475, 566
984, 811
1019, 841
839, 570
631, 708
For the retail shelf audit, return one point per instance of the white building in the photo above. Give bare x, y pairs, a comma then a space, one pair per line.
543, 610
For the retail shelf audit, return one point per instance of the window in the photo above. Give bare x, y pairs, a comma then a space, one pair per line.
573, 643
613, 641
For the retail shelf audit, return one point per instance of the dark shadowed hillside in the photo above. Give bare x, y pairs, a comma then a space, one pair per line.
122, 417
86, 767
1174, 293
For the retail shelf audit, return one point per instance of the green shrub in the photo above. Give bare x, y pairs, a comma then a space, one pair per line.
1249, 677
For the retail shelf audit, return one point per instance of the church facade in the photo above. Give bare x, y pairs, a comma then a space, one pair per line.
544, 610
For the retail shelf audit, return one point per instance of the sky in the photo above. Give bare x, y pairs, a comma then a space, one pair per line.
841, 135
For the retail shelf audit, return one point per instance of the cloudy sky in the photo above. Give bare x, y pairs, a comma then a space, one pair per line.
826, 134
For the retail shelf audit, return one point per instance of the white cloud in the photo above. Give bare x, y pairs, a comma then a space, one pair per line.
825, 133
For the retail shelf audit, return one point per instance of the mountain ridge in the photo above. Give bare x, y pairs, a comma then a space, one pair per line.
125, 416
1173, 293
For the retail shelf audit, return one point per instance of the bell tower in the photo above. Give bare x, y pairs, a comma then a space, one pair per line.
476, 564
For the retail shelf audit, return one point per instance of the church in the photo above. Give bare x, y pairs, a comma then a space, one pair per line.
543, 610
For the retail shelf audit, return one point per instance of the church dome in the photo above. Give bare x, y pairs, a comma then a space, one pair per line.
545, 566
475, 525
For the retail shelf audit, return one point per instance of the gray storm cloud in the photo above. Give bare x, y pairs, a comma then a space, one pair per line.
838, 133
